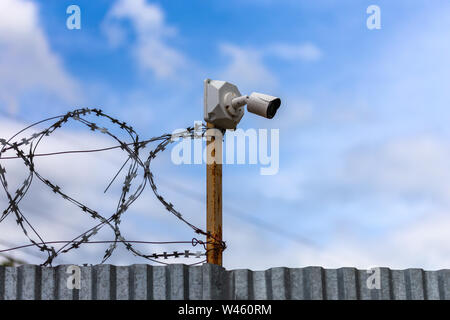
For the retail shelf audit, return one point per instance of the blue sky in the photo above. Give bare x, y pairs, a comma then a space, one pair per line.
364, 152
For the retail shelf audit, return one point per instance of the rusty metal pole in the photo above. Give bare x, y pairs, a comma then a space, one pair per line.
214, 196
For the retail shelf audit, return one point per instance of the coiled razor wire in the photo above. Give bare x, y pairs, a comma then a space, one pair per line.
126, 198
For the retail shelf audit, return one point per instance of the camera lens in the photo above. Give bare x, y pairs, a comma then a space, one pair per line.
273, 107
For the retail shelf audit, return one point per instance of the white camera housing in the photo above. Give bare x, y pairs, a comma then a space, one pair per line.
223, 104
217, 96
262, 104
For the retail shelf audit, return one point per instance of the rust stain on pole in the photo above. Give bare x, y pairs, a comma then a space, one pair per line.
214, 198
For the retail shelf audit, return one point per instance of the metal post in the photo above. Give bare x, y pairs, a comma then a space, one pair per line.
214, 196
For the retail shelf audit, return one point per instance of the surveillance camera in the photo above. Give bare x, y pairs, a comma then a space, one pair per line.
263, 105
223, 104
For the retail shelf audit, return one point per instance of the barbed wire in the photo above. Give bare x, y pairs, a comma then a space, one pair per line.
126, 199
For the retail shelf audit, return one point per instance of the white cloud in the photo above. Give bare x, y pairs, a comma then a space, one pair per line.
302, 52
296, 111
248, 66
26, 59
391, 200
424, 243
418, 165
151, 48
419, 244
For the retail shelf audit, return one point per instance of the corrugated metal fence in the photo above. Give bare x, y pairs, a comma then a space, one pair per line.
213, 282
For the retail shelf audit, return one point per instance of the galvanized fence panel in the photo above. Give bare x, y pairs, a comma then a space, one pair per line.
182, 282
